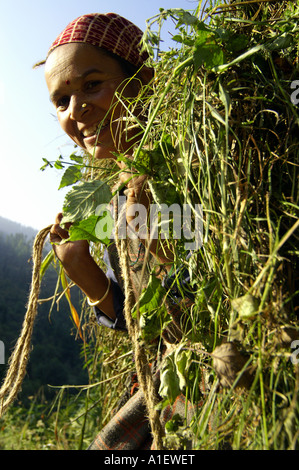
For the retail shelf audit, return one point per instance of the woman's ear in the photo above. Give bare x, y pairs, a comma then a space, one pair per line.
146, 74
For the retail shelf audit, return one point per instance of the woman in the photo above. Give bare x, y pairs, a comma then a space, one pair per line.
93, 59
84, 69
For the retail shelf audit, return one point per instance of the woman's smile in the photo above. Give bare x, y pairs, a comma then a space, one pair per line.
94, 135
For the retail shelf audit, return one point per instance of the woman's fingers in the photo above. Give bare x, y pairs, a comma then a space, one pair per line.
58, 218
57, 233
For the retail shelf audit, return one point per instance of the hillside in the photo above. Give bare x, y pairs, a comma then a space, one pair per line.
55, 357
10, 227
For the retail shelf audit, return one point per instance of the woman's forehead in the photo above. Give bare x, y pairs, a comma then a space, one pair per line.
76, 58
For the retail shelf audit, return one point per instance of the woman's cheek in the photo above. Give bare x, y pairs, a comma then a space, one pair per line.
63, 122
104, 98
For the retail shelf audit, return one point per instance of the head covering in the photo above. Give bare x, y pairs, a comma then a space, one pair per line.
108, 31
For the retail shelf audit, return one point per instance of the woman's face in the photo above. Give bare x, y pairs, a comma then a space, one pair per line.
79, 74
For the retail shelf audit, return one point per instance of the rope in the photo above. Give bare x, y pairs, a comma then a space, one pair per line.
20, 356
144, 374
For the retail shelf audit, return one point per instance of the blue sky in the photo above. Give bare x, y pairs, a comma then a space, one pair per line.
28, 127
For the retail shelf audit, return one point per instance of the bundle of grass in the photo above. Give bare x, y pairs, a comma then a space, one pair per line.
223, 133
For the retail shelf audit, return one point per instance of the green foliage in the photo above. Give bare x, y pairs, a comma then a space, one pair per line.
178, 374
92, 229
227, 115
153, 316
72, 174
83, 200
206, 50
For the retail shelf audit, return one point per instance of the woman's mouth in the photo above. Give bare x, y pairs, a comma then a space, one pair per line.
92, 133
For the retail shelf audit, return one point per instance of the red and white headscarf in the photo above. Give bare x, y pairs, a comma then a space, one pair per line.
109, 31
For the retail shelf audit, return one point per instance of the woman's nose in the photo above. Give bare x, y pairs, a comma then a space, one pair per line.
77, 107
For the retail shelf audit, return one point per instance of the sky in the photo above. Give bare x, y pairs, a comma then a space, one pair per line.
29, 130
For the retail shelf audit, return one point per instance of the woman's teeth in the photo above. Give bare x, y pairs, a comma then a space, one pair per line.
88, 132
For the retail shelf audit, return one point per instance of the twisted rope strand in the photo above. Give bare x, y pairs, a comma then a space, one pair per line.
144, 373
20, 356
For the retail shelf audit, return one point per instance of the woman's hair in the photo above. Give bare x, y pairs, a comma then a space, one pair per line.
128, 69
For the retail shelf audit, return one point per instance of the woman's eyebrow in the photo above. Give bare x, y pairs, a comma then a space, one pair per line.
90, 71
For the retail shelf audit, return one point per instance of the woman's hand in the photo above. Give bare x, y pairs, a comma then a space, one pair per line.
136, 192
69, 252
81, 267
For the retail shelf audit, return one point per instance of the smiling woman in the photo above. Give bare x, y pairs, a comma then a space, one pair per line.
83, 81
95, 56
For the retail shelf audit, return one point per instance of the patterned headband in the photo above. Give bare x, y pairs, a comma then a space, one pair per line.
109, 31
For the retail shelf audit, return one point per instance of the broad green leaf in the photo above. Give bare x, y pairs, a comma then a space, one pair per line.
178, 373
182, 361
82, 201
71, 175
183, 39
202, 38
87, 230
206, 52
153, 314
169, 380
177, 38
153, 322
104, 226
174, 423
152, 296
190, 20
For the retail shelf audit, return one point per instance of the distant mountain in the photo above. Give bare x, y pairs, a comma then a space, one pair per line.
10, 228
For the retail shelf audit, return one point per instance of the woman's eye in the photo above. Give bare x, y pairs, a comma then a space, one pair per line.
63, 102
92, 84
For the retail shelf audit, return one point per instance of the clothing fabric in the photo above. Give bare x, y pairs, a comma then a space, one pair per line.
108, 31
129, 428
118, 303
